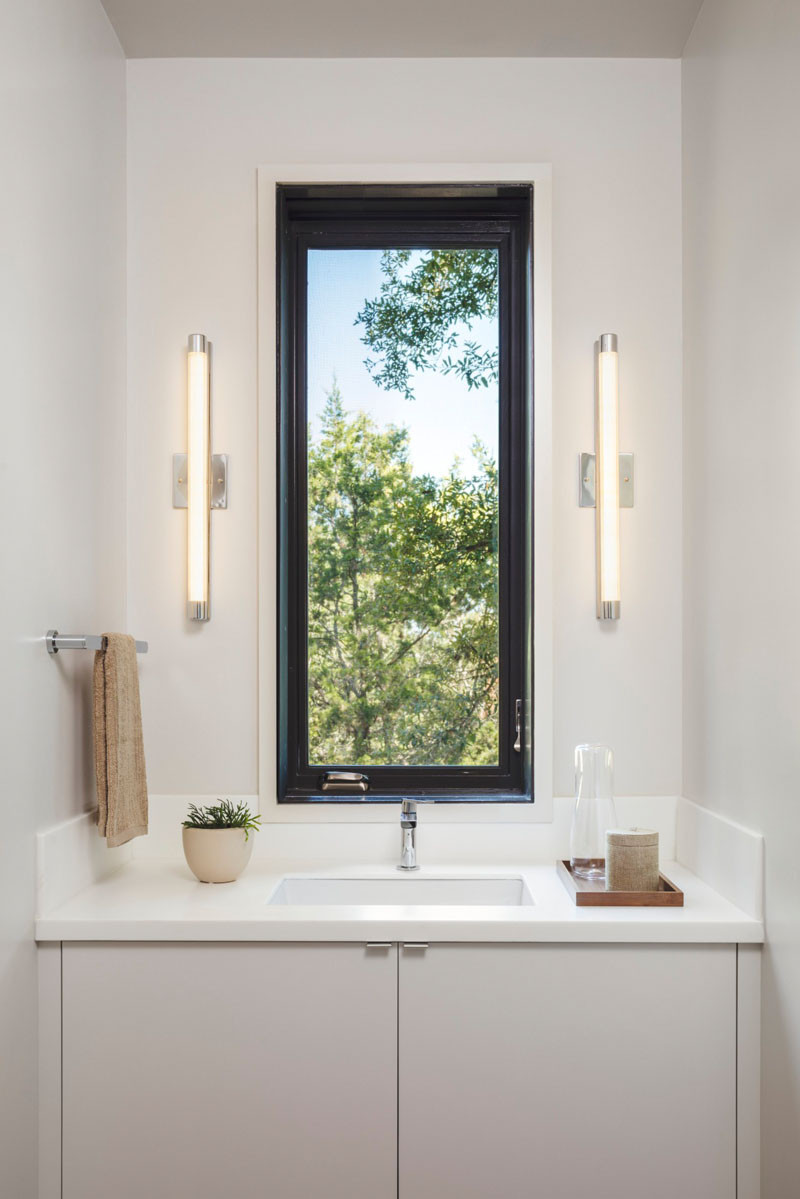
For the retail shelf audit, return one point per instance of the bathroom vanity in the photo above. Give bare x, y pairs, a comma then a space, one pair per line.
215, 1043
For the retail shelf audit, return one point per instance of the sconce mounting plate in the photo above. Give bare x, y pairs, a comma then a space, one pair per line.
586, 481
219, 481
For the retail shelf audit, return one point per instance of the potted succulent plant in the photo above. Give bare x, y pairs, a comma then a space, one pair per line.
217, 841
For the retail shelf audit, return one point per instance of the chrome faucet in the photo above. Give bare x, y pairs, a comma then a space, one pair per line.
408, 832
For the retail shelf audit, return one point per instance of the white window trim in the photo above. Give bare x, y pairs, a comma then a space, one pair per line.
538, 174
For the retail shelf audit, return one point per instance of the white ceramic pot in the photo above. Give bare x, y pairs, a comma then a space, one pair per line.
217, 855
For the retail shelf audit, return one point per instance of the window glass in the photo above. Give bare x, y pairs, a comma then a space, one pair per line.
402, 424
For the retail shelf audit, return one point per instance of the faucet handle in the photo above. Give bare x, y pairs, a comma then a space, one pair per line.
408, 813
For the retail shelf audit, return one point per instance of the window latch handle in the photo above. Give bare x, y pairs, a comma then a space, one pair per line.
518, 726
347, 781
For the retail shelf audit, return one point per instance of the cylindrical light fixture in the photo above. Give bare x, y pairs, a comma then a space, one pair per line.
607, 476
198, 469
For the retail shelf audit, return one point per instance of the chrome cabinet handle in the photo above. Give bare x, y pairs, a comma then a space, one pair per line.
379, 944
415, 945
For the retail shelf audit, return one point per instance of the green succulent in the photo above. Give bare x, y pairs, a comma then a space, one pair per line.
223, 814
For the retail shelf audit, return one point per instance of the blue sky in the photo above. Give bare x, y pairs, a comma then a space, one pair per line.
445, 416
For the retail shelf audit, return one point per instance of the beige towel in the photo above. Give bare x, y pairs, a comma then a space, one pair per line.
118, 744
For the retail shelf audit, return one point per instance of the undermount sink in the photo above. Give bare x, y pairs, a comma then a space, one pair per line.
508, 891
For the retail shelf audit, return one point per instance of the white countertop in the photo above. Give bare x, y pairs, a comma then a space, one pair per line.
160, 900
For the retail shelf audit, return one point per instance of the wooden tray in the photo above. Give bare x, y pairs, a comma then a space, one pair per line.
593, 894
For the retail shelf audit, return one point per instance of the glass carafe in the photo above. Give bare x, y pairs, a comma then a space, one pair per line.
594, 810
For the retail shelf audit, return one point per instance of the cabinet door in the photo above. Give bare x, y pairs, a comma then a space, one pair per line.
236, 1070
557, 1071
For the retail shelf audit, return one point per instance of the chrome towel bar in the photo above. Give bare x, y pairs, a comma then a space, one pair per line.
56, 641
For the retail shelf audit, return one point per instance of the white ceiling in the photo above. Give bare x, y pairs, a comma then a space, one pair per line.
402, 28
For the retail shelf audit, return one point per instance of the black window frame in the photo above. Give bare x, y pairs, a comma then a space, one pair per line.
417, 216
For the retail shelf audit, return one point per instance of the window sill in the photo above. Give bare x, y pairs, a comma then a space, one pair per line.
360, 801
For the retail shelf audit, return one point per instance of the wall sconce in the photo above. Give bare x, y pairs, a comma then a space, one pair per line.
606, 477
199, 478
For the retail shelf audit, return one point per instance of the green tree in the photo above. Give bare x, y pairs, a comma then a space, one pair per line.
426, 307
402, 604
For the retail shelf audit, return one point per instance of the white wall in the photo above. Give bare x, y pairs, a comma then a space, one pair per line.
62, 314
197, 130
741, 101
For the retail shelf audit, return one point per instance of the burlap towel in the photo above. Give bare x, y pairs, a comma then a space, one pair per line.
118, 744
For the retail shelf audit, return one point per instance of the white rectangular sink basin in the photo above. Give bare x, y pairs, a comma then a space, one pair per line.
508, 891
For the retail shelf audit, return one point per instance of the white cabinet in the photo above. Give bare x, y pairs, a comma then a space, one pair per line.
557, 1072
237, 1070
523, 1071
